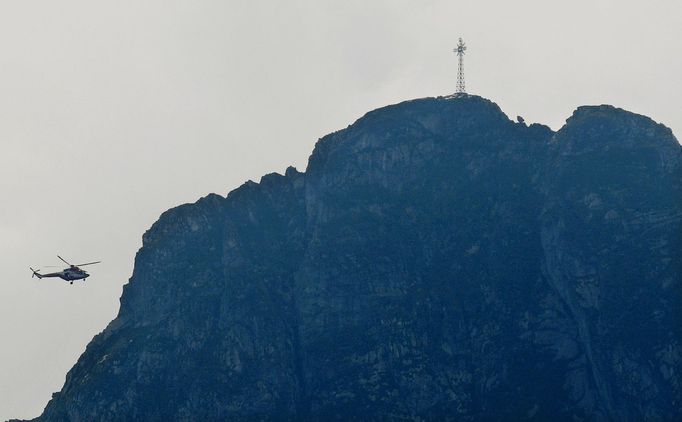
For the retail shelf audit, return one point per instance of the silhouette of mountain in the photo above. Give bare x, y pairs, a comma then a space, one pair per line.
436, 261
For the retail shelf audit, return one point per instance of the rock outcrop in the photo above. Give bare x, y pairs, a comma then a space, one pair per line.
436, 261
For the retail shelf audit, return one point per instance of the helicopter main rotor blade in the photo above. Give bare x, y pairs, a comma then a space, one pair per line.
88, 263
63, 260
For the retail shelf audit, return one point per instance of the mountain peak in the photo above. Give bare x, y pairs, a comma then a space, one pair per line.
606, 126
454, 119
435, 261
461, 105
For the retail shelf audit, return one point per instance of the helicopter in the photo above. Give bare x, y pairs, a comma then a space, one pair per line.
69, 274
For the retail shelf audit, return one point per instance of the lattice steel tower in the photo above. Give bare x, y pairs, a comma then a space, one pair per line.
461, 48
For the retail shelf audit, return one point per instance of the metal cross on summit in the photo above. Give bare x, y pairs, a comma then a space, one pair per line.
461, 48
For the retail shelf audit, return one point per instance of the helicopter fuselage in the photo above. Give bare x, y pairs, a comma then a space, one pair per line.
68, 274
71, 274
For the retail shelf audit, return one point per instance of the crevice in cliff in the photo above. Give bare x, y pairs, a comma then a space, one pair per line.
551, 269
303, 401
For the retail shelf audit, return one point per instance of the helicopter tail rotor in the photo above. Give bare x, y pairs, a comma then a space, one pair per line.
35, 273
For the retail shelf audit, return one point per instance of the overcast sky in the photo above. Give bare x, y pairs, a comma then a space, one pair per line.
112, 112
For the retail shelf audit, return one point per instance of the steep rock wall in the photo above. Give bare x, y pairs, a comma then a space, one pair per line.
435, 261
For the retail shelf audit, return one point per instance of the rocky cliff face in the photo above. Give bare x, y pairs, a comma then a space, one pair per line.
435, 261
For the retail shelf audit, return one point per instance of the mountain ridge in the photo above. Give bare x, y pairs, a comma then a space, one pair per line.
433, 256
